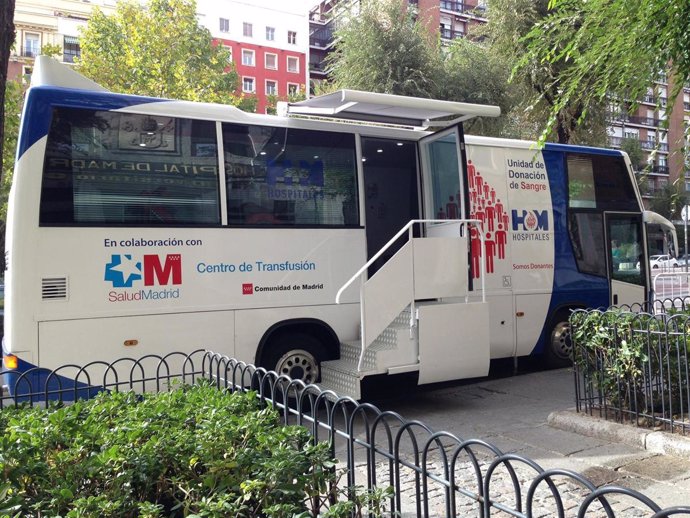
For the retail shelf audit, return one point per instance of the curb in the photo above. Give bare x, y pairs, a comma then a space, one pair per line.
656, 442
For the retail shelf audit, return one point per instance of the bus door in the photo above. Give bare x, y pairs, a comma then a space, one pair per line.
391, 193
444, 180
626, 258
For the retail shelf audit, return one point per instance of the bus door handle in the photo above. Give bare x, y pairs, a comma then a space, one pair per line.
615, 299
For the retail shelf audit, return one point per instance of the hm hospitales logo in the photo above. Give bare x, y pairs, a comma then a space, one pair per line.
530, 225
126, 272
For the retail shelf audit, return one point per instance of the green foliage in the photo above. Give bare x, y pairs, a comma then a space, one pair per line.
620, 350
195, 451
601, 48
579, 120
381, 48
51, 49
157, 49
13, 107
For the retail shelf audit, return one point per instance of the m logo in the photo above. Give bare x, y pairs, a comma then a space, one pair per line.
530, 220
123, 270
247, 288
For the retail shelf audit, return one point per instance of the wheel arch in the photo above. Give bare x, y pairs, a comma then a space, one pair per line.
312, 326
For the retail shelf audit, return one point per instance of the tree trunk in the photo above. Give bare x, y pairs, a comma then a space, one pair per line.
7, 36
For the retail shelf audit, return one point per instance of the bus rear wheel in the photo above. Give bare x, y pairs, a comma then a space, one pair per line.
559, 348
296, 355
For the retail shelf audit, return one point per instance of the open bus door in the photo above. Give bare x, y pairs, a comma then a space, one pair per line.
444, 180
626, 258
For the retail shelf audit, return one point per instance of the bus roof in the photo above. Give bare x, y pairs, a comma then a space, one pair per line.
389, 109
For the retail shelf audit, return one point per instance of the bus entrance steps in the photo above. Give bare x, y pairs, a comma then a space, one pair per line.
396, 346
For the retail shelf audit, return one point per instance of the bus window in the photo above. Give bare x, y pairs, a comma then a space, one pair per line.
587, 238
110, 168
601, 182
625, 235
288, 177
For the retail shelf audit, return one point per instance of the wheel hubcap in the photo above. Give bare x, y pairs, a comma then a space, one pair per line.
299, 365
561, 343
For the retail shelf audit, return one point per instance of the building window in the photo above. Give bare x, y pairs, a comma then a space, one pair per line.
271, 61
229, 49
248, 57
247, 30
292, 64
248, 85
31, 44
271, 88
293, 89
224, 25
71, 49
270, 33
292, 37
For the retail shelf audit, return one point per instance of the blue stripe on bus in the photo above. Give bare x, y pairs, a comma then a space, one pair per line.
40, 101
570, 148
569, 284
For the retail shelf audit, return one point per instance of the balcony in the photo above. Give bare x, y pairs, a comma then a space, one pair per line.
449, 34
30, 52
649, 99
634, 119
461, 7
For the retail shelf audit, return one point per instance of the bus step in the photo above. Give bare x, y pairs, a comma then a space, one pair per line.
341, 377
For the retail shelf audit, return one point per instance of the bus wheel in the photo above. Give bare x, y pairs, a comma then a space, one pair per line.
559, 348
296, 355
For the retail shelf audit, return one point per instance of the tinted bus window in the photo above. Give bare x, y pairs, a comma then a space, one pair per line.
601, 182
109, 168
286, 177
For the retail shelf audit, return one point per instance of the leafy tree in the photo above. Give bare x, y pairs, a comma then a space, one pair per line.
509, 22
669, 200
598, 48
382, 48
634, 150
157, 49
7, 35
473, 73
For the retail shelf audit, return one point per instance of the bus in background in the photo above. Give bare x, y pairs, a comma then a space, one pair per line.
142, 226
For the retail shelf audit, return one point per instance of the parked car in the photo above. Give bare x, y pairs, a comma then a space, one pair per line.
663, 261
684, 260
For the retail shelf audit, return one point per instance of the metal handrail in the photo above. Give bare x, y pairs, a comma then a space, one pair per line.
406, 228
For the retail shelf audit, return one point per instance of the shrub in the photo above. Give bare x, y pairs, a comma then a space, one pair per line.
193, 451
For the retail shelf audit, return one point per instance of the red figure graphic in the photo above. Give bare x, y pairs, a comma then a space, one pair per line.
452, 209
479, 184
499, 209
487, 187
501, 241
490, 216
471, 173
505, 220
493, 195
490, 247
480, 216
476, 248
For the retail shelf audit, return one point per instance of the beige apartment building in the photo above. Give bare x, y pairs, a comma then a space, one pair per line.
49, 22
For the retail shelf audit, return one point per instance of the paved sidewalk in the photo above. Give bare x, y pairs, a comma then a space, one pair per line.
533, 415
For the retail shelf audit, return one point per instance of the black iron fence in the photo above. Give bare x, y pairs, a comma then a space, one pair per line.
431, 473
632, 365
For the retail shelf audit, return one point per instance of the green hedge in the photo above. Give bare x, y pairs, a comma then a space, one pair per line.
193, 451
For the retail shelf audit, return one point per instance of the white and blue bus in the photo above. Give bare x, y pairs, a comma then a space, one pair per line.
142, 226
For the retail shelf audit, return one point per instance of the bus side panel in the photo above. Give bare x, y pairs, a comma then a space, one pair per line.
193, 274
571, 287
510, 193
109, 339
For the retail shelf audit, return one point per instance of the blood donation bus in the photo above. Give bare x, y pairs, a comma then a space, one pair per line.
142, 226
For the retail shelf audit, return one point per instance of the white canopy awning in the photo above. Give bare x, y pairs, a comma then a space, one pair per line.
390, 109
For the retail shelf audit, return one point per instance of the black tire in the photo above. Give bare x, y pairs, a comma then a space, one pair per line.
297, 355
559, 346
